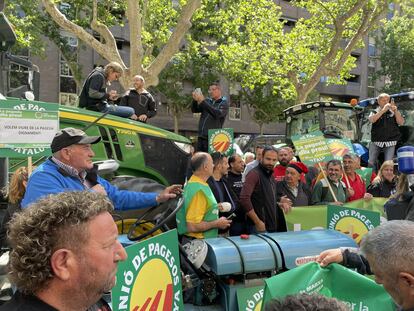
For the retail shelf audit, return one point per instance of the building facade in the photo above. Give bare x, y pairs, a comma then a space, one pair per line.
57, 83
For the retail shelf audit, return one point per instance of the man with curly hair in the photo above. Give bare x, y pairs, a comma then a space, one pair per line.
64, 254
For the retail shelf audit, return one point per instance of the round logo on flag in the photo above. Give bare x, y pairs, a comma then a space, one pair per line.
353, 227
221, 141
153, 287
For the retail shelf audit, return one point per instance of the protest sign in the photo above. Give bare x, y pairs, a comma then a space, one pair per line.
315, 216
312, 148
27, 128
150, 279
250, 298
221, 140
351, 221
340, 147
357, 291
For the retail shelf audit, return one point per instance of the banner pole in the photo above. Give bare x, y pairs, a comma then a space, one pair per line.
346, 176
29, 166
327, 180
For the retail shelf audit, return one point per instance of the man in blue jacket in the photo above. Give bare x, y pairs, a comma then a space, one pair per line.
71, 169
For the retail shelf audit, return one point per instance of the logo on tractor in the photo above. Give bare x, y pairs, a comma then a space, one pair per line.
221, 140
150, 278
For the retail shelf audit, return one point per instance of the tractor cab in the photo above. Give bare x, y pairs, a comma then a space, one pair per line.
333, 119
405, 104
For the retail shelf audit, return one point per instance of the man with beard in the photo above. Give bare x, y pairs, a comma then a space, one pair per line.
140, 99
253, 164
64, 253
259, 197
234, 176
322, 195
285, 156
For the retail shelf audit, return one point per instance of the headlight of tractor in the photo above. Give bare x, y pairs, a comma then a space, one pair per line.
183, 146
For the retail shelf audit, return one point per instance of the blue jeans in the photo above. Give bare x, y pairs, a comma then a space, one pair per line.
120, 111
374, 152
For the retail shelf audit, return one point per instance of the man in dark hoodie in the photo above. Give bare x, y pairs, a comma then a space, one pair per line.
94, 95
140, 99
213, 112
259, 197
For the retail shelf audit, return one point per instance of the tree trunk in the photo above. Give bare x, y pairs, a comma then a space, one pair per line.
176, 119
261, 128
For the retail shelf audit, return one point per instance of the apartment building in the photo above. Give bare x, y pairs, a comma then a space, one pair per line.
58, 85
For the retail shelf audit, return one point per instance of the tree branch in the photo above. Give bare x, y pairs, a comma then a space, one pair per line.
62, 21
173, 44
135, 33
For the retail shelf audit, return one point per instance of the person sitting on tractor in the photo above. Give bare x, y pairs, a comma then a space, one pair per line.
65, 253
199, 216
94, 95
71, 169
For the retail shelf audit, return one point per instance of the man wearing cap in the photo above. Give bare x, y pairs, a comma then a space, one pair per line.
70, 168
292, 186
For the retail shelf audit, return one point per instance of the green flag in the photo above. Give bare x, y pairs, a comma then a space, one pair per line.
150, 278
221, 140
374, 204
357, 291
312, 148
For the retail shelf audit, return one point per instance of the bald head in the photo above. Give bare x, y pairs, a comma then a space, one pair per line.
198, 160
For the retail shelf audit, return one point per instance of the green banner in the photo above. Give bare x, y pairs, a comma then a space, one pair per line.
314, 217
250, 298
351, 221
306, 218
221, 140
357, 291
312, 148
366, 174
339, 147
150, 279
374, 204
27, 125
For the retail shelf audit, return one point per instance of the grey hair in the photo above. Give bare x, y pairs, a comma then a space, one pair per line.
382, 95
351, 156
391, 246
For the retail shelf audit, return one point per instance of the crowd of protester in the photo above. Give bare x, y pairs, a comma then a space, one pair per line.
263, 191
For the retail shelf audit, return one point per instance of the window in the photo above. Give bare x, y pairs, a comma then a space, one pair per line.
354, 79
67, 83
68, 99
235, 108
19, 75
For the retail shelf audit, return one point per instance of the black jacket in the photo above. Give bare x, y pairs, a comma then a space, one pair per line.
213, 114
382, 188
143, 103
223, 193
93, 92
385, 129
302, 199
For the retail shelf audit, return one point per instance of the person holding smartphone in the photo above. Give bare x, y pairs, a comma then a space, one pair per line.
213, 110
385, 131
